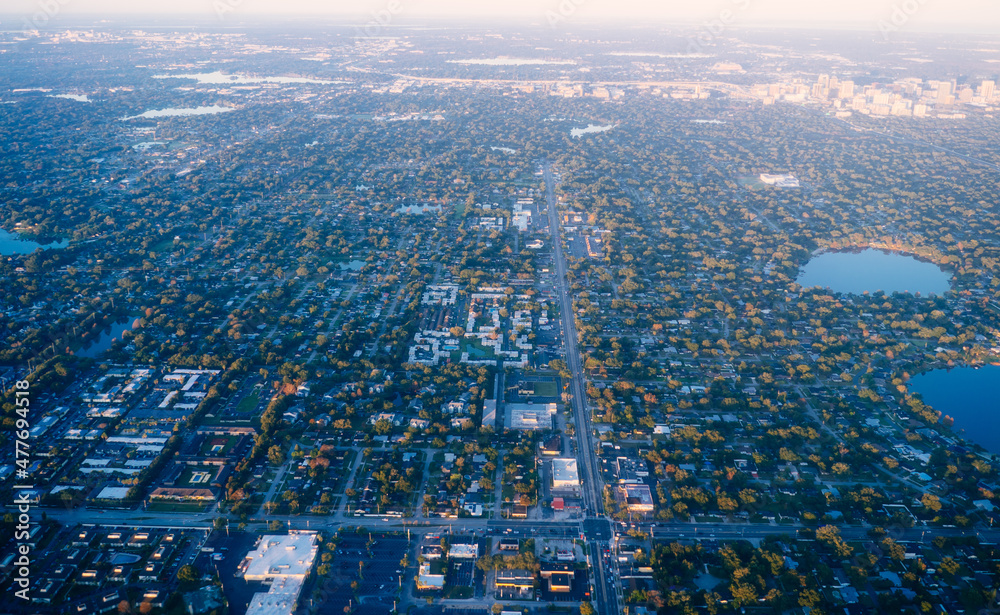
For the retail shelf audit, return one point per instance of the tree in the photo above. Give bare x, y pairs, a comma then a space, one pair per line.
587, 609
382, 427
275, 455
830, 535
949, 566
188, 574
895, 550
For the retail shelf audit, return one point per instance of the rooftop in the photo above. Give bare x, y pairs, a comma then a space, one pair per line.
282, 556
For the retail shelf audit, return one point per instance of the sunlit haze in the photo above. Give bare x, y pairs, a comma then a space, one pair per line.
980, 15
496, 307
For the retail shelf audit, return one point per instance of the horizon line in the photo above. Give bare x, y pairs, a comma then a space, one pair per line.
353, 18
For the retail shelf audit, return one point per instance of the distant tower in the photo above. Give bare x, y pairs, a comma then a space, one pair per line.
987, 90
944, 92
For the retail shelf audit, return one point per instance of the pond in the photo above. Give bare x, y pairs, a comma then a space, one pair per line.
108, 336
125, 558
968, 395
11, 243
871, 270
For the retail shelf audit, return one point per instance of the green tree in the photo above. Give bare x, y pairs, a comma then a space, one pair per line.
188, 574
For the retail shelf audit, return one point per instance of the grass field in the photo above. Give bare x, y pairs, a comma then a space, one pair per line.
177, 506
194, 477
248, 403
753, 183
206, 448
474, 347
546, 388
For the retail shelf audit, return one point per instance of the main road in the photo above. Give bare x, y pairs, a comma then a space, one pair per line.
592, 489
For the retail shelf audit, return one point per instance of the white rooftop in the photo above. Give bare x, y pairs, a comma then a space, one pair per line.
282, 556
279, 600
564, 472
113, 493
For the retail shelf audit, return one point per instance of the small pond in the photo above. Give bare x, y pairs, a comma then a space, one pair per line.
109, 336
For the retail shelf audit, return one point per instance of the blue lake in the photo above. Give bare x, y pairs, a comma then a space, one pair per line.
11, 243
108, 337
968, 395
872, 270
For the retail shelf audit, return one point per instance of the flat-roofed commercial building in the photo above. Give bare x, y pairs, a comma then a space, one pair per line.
284, 561
565, 475
638, 498
530, 417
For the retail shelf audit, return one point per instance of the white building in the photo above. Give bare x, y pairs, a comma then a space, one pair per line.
781, 181
466, 551
529, 417
565, 475
284, 561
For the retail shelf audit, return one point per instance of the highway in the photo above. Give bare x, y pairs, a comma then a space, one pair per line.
606, 598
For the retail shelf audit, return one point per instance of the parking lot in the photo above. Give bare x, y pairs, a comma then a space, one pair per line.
377, 577
228, 552
462, 572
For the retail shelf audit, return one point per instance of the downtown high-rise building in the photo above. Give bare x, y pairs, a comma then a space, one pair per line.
987, 90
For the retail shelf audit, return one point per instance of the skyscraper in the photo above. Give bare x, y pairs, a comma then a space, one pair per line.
987, 90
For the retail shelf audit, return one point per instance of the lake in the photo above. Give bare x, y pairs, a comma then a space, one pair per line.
76, 97
871, 270
418, 209
968, 395
511, 62
220, 78
145, 145
11, 243
180, 112
650, 54
114, 333
579, 132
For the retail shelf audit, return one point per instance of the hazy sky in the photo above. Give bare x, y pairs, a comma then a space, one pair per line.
916, 15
